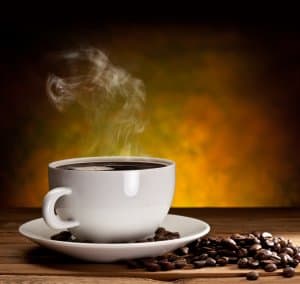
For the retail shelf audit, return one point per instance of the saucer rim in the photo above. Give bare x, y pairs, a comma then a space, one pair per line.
187, 239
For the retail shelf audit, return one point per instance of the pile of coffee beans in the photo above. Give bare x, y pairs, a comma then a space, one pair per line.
247, 251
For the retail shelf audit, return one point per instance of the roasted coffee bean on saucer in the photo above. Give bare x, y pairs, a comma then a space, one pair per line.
63, 236
161, 234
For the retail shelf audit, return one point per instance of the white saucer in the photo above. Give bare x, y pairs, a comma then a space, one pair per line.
190, 229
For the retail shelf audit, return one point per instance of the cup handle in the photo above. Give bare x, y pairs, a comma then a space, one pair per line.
50, 199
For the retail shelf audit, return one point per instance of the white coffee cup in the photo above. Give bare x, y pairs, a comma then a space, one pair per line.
109, 205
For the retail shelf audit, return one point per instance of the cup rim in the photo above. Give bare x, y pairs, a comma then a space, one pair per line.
166, 162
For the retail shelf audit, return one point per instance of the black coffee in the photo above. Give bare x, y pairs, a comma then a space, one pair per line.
112, 166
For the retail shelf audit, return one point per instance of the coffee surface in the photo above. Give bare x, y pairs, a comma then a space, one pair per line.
112, 166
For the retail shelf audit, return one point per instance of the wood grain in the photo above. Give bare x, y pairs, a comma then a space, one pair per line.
23, 261
111, 270
37, 279
233, 280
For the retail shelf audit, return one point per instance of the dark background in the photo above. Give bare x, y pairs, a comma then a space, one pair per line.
30, 32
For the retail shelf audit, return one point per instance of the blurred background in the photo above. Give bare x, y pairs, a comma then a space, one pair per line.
222, 98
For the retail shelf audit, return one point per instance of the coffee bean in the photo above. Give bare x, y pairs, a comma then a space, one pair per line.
277, 262
205, 249
199, 263
238, 237
161, 234
289, 251
151, 266
172, 257
283, 242
162, 257
232, 260
288, 272
269, 243
256, 234
162, 261
229, 243
277, 247
194, 245
175, 234
145, 261
243, 262
213, 253
274, 253
294, 263
203, 256
264, 262
253, 263
213, 241
254, 248
159, 238
285, 258
166, 265
182, 251
180, 263
171, 236
222, 261
211, 262
133, 264
150, 240
189, 258
196, 258
270, 267
227, 252
204, 242
242, 252
252, 275
63, 236
264, 254
294, 248
266, 235
160, 231
250, 240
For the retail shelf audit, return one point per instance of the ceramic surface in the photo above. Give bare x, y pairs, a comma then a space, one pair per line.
190, 229
109, 206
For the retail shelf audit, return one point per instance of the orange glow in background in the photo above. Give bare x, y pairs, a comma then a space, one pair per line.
213, 106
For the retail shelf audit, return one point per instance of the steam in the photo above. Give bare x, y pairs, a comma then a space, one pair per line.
111, 98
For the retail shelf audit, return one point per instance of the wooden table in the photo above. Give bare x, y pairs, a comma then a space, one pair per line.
22, 260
